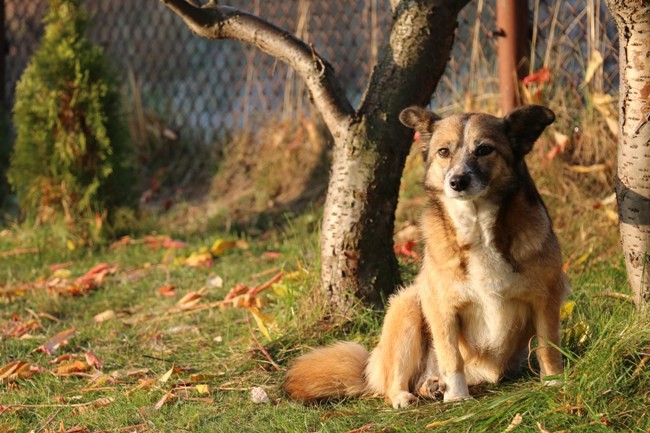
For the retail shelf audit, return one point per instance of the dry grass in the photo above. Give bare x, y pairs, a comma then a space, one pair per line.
281, 167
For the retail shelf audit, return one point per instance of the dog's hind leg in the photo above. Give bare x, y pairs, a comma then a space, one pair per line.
429, 384
398, 359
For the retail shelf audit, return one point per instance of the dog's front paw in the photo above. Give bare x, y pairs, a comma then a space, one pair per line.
455, 388
402, 399
556, 383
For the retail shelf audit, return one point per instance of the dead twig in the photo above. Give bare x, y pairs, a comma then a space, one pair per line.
616, 295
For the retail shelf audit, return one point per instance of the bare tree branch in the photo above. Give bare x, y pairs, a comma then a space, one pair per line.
222, 22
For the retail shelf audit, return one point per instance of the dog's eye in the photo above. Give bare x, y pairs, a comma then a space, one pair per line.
443, 152
483, 150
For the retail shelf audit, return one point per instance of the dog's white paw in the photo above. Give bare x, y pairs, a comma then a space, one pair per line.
456, 397
456, 388
402, 400
556, 383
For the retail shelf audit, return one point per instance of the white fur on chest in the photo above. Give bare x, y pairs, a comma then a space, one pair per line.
490, 274
491, 311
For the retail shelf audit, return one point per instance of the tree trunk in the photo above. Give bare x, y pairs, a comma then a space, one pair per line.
370, 145
633, 176
357, 242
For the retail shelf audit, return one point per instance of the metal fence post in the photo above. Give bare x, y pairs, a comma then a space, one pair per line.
513, 49
3, 53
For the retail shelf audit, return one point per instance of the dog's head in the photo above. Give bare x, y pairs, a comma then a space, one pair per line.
472, 155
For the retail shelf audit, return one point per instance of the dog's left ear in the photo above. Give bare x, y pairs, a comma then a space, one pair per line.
524, 126
418, 118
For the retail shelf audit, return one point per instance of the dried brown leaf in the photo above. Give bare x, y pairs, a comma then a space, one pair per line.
164, 399
67, 368
60, 339
93, 361
104, 316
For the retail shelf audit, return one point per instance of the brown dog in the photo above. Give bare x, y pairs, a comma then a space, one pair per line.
491, 275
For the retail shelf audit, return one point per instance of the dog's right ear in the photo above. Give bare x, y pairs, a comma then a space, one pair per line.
418, 118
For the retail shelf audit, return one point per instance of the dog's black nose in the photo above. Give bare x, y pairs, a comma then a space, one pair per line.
459, 182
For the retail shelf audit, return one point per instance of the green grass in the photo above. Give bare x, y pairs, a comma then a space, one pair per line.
602, 392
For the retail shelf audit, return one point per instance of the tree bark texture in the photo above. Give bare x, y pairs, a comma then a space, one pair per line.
358, 222
633, 174
370, 145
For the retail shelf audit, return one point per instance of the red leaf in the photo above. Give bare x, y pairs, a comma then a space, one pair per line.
93, 361
541, 76
406, 249
167, 290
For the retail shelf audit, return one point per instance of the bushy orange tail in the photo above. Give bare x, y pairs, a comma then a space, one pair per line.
328, 372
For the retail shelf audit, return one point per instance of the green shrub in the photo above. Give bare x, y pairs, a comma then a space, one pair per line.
70, 158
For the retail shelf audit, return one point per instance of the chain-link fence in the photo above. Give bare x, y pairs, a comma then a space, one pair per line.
210, 87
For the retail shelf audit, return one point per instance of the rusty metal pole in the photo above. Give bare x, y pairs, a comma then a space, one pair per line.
3, 49
513, 49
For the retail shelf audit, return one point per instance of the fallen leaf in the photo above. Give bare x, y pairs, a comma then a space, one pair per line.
16, 328
261, 319
60, 339
220, 246
514, 423
61, 273
578, 333
62, 429
541, 428
167, 290
566, 311
258, 395
215, 282
129, 372
170, 243
189, 300
97, 274
93, 361
104, 316
144, 383
16, 370
122, 242
67, 368
199, 258
165, 377
163, 400
202, 389
271, 255
280, 290
100, 402
237, 290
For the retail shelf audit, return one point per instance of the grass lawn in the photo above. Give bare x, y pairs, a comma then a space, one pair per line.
169, 357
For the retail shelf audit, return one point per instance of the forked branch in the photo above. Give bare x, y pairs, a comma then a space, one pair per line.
223, 22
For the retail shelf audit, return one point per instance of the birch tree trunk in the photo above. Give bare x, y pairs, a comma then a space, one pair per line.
370, 145
633, 175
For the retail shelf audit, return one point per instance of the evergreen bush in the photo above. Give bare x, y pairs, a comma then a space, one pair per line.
71, 155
